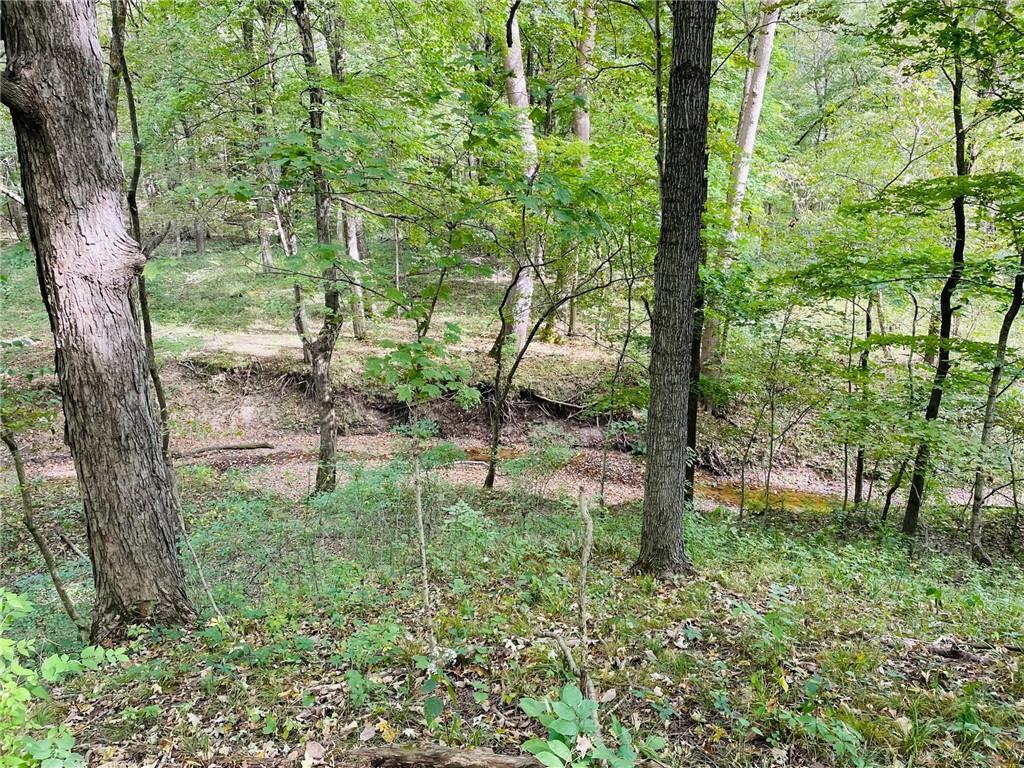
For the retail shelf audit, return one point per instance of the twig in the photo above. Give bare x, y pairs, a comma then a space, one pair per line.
441, 757
199, 570
427, 608
29, 519
946, 648
154, 241
588, 547
11, 193
67, 542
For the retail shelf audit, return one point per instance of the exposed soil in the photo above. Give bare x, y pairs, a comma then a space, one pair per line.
214, 403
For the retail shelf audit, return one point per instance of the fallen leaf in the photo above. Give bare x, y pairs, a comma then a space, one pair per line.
314, 753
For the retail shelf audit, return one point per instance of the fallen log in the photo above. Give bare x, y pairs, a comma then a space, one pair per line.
943, 647
221, 449
440, 757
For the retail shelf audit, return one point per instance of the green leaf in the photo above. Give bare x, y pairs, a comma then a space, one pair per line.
572, 696
432, 708
532, 707
564, 727
550, 760
561, 749
534, 746
563, 710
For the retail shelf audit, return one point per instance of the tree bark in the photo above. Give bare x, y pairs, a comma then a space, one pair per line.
518, 96
693, 396
581, 121
258, 134
86, 264
118, 16
942, 365
978, 500
585, 68
894, 486
712, 355
683, 195
319, 350
858, 475
348, 227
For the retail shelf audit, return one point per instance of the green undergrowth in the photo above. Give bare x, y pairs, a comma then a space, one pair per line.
792, 646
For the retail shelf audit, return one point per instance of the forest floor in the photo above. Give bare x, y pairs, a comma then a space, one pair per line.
807, 636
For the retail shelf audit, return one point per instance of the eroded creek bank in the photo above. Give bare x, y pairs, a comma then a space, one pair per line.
216, 404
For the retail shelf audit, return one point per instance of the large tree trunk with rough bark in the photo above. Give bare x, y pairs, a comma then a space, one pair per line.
980, 480
922, 459
683, 195
53, 86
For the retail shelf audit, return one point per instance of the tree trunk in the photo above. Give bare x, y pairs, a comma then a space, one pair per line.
266, 252
258, 134
86, 264
323, 392
712, 354
683, 195
277, 199
118, 16
348, 227
858, 476
581, 122
518, 97
897, 481
585, 68
750, 115
524, 297
977, 551
693, 396
946, 309
199, 231
320, 350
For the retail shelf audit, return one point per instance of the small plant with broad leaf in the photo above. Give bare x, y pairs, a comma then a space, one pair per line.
26, 740
573, 739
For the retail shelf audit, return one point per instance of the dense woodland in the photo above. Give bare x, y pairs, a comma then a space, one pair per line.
507, 383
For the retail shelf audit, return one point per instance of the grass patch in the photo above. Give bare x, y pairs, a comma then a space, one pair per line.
777, 647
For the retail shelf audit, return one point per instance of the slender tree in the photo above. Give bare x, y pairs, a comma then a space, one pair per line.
864, 362
922, 458
988, 421
519, 99
87, 263
581, 113
746, 138
707, 354
683, 195
319, 349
